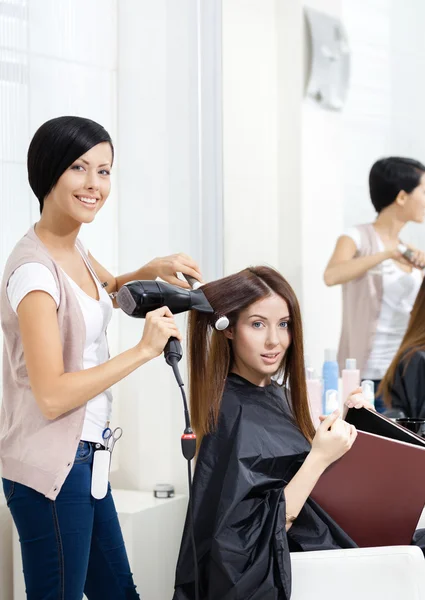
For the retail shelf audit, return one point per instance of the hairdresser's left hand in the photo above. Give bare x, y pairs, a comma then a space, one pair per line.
357, 400
167, 268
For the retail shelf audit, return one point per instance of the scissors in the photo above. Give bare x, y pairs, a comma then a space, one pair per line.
110, 437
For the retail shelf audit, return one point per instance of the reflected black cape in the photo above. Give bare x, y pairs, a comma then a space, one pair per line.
239, 505
408, 389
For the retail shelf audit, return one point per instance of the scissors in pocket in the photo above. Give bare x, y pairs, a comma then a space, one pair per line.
111, 436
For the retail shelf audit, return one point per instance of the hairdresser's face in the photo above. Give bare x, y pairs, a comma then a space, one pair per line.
414, 203
260, 339
83, 188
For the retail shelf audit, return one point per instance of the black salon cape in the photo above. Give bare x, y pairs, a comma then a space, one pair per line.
408, 389
239, 505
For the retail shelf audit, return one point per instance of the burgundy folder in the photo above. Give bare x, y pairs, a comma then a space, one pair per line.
375, 492
373, 422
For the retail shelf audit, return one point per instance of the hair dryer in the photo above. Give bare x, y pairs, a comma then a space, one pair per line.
137, 298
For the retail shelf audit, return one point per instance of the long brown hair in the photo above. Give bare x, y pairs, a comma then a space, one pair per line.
413, 341
210, 351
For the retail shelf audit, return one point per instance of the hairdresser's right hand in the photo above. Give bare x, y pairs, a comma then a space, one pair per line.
334, 437
159, 327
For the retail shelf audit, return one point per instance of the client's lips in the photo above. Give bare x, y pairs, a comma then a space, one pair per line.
270, 357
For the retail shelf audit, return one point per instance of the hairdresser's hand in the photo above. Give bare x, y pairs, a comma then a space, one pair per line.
334, 437
167, 268
357, 400
159, 327
418, 258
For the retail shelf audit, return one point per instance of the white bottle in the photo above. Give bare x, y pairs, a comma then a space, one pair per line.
331, 401
350, 378
314, 393
368, 391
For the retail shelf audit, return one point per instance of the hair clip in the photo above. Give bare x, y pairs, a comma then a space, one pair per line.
222, 323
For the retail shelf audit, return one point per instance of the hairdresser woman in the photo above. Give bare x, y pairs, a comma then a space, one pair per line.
55, 308
379, 285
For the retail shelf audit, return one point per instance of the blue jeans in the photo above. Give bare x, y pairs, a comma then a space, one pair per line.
73, 544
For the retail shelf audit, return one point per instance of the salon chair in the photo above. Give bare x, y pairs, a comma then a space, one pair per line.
385, 573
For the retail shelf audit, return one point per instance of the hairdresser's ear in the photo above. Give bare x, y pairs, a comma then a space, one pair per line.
229, 333
401, 198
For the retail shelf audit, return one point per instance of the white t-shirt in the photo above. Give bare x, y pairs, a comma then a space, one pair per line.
399, 294
97, 315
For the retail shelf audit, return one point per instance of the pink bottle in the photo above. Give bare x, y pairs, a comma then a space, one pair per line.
314, 393
350, 378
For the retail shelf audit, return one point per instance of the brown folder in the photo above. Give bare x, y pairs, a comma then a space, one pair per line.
375, 492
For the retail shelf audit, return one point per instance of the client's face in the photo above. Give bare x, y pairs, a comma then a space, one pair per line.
260, 339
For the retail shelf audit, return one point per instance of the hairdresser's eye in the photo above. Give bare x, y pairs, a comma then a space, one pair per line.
104, 172
77, 168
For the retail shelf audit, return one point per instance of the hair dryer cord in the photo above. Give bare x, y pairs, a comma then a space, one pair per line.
173, 353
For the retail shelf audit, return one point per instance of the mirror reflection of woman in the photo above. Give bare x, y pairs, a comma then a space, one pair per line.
259, 455
403, 386
55, 310
379, 285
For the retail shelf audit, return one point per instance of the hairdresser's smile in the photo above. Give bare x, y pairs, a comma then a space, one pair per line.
88, 201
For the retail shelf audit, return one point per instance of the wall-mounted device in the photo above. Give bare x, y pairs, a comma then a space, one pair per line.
328, 60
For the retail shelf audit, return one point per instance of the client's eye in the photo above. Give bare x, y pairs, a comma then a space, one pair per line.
257, 324
284, 324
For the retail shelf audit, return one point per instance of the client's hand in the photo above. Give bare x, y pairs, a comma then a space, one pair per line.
334, 437
167, 268
357, 400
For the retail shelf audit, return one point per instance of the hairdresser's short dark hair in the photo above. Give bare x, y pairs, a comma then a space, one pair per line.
389, 176
55, 146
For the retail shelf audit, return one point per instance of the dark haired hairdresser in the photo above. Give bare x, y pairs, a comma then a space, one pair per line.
403, 386
55, 308
379, 285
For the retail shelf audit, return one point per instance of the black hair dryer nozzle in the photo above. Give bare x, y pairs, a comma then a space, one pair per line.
137, 298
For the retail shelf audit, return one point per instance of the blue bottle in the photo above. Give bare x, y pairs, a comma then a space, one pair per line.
330, 378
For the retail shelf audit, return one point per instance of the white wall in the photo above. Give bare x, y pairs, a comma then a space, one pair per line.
250, 113
384, 113
322, 215
169, 123
282, 159
407, 52
367, 114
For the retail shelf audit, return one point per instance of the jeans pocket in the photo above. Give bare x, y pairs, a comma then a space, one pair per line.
84, 453
8, 489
